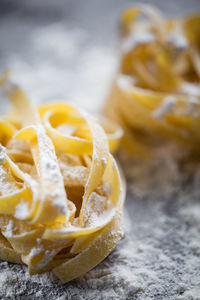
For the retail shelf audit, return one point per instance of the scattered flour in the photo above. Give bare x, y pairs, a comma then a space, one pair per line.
125, 81
2, 155
157, 259
159, 256
166, 107
9, 229
141, 37
191, 89
22, 210
35, 251
193, 107
177, 40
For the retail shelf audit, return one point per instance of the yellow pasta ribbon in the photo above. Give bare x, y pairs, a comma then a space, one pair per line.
61, 194
155, 96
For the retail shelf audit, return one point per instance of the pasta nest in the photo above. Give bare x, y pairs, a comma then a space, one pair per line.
156, 93
61, 193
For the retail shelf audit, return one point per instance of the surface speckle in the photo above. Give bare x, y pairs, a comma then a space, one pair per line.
64, 50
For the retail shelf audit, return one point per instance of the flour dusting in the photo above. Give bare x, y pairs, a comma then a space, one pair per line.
9, 229
22, 210
159, 256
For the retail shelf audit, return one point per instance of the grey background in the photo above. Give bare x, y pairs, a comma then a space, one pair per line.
68, 49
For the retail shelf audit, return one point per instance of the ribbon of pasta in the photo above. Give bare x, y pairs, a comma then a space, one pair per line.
156, 92
77, 138
52, 203
61, 194
96, 247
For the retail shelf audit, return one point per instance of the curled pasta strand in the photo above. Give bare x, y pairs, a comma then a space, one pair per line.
156, 92
61, 195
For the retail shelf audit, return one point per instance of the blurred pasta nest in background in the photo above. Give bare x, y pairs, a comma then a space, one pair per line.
156, 93
61, 194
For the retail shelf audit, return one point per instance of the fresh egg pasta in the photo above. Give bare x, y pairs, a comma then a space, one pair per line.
61, 193
156, 92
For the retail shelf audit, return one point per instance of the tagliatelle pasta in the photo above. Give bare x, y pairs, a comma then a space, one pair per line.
61, 193
156, 93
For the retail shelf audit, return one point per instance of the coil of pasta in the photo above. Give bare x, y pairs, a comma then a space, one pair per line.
156, 93
61, 194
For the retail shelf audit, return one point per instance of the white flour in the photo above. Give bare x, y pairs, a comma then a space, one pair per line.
22, 210
141, 37
160, 254
2, 155
9, 229
166, 107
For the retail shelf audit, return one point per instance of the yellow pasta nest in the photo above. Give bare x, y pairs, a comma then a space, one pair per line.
156, 93
61, 194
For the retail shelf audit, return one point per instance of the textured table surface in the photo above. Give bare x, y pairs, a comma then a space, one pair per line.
68, 50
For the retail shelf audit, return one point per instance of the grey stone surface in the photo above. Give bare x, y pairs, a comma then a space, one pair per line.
68, 49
